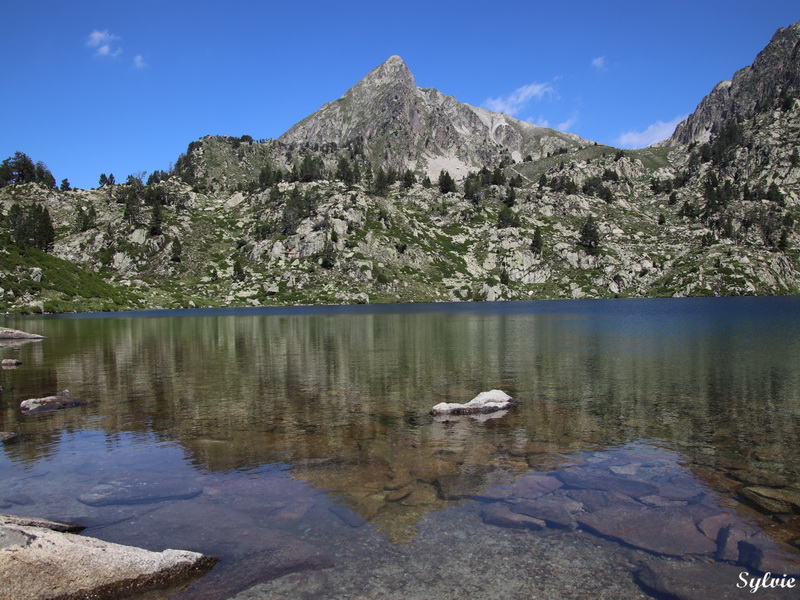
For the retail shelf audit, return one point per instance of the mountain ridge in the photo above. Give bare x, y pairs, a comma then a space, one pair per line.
357, 203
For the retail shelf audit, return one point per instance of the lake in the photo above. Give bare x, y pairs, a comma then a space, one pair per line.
654, 445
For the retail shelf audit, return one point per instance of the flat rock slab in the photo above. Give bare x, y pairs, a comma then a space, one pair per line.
582, 479
705, 581
661, 531
36, 562
50, 403
16, 334
136, 491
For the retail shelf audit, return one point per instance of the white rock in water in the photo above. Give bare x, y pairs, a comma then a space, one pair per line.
485, 402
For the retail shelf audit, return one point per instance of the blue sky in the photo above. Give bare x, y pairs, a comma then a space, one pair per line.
120, 87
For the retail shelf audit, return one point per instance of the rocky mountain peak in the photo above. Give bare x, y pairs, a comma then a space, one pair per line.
393, 70
774, 72
402, 126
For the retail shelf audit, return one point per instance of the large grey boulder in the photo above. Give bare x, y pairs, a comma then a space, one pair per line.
37, 562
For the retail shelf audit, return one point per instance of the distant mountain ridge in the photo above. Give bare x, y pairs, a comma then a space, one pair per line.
404, 126
773, 76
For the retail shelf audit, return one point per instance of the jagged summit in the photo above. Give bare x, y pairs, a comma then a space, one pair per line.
774, 72
403, 126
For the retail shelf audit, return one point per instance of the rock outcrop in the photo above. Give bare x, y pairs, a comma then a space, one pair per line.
38, 560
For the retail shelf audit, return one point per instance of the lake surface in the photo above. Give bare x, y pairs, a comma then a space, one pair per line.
649, 439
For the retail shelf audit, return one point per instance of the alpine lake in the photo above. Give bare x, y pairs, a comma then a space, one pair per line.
653, 451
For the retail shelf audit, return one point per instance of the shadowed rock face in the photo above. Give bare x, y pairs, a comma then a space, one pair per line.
404, 126
775, 70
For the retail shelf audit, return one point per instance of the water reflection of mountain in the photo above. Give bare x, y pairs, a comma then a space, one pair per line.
344, 398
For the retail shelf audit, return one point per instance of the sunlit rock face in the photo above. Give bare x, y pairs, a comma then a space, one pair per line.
404, 126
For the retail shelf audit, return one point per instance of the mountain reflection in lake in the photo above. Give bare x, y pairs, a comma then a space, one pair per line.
654, 445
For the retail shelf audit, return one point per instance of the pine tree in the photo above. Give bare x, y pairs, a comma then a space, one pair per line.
156, 220
446, 183
536, 244
590, 236
409, 179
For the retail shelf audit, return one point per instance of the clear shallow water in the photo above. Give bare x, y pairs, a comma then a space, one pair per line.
289, 440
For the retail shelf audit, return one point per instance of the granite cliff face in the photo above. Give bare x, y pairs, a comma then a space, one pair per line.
404, 126
773, 77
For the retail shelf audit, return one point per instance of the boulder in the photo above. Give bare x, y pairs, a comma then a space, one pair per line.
485, 402
16, 334
10, 363
38, 562
7, 436
50, 403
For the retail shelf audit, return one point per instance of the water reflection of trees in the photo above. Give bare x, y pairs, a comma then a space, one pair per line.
240, 391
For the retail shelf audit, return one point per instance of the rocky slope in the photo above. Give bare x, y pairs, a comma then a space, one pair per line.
339, 209
404, 126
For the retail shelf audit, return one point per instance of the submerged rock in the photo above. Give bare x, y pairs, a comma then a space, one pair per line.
10, 363
662, 531
135, 491
50, 403
501, 515
7, 436
485, 402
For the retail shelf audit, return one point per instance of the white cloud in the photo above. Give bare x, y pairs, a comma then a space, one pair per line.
138, 62
567, 125
104, 43
600, 63
654, 133
519, 98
